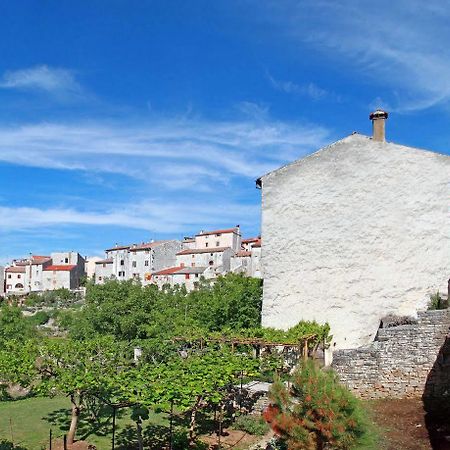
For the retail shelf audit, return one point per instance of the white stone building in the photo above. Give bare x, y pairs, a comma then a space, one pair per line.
90, 262
208, 255
137, 261
356, 231
248, 259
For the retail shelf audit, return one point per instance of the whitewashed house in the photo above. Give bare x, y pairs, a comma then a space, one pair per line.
356, 231
137, 261
248, 259
32, 275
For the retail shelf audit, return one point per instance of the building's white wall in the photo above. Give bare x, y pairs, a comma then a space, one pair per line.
352, 233
58, 279
2, 280
230, 239
103, 272
90, 263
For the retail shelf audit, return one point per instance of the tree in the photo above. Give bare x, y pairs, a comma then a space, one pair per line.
316, 412
79, 370
13, 325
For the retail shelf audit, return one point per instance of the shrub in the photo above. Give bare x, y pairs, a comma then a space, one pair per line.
317, 412
251, 425
437, 302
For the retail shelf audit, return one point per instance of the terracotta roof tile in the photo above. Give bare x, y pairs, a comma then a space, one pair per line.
228, 230
193, 251
60, 268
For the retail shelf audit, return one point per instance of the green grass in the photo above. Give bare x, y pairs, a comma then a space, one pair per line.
31, 419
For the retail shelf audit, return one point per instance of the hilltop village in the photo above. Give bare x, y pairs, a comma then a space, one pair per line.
166, 262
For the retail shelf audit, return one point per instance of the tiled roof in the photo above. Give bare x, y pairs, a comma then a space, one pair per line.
104, 261
257, 245
137, 247
250, 240
168, 271
189, 270
228, 230
243, 253
192, 251
15, 269
147, 245
60, 268
118, 247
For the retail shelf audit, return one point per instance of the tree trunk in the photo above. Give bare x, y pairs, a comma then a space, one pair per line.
74, 422
139, 434
192, 421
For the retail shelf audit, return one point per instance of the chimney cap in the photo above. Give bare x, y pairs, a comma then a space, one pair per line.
378, 114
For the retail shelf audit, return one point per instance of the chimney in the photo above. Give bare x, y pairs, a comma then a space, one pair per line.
378, 119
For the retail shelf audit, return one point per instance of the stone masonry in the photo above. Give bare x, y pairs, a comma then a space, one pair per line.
403, 361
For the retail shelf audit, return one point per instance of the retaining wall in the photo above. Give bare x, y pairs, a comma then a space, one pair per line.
403, 361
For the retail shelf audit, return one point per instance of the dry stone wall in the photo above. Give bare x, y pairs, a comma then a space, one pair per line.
403, 361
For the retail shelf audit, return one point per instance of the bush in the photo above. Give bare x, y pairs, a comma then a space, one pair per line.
317, 412
437, 302
251, 425
40, 318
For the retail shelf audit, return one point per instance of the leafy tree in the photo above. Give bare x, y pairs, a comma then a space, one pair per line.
78, 370
13, 325
316, 412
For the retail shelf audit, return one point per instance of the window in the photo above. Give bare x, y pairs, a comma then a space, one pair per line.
122, 262
217, 244
206, 245
121, 273
19, 276
211, 254
146, 263
99, 278
193, 264
218, 234
211, 263
196, 275
186, 276
66, 260
9, 275
133, 264
104, 265
19, 286
8, 286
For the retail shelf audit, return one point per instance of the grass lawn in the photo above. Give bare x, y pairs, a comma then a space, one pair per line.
31, 419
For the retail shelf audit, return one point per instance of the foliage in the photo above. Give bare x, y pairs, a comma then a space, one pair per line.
13, 325
251, 425
317, 412
59, 297
39, 318
437, 302
129, 311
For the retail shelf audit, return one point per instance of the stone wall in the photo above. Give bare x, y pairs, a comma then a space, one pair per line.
403, 361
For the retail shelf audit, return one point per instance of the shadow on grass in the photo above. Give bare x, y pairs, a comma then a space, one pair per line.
98, 423
7, 445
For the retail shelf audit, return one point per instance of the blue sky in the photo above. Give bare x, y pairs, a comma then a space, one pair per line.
123, 121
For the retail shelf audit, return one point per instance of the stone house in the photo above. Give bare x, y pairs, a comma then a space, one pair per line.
31, 275
354, 232
248, 259
137, 261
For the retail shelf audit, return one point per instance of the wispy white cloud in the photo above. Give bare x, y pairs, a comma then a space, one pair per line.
399, 45
289, 87
184, 154
55, 81
153, 215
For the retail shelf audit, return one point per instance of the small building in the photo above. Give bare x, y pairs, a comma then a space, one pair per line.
63, 276
103, 270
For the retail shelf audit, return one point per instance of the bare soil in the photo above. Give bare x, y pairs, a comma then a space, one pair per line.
405, 426
234, 439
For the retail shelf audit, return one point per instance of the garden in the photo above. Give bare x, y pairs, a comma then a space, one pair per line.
141, 368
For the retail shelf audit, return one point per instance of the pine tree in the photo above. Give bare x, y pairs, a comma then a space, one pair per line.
316, 412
